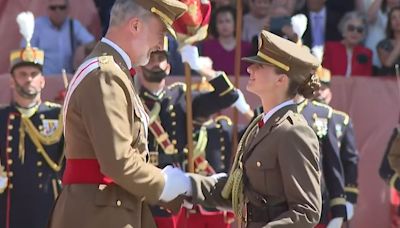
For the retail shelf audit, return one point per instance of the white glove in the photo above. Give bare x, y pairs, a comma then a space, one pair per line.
349, 210
241, 104
3, 183
335, 223
190, 54
217, 176
176, 183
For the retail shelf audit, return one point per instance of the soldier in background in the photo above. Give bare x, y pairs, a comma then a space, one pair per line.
343, 129
167, 110
31, 142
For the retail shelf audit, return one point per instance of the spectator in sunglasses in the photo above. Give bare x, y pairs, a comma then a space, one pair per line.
389, 48
349, 57
59, 36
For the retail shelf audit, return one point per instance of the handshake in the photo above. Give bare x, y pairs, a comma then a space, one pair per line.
178, 189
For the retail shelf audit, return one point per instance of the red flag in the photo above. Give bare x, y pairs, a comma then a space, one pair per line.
192, 26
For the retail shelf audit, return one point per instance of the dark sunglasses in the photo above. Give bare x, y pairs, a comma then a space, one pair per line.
59, 7
352, 28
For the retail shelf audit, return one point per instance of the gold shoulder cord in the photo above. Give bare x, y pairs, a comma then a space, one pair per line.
38, 139
234, 186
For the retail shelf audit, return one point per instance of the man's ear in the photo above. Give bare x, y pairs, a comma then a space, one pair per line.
168, 69
12, 82
135, 25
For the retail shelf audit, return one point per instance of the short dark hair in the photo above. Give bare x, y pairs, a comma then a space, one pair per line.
220, 10
389, 30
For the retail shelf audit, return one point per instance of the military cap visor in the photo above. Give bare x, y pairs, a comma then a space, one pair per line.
167, 10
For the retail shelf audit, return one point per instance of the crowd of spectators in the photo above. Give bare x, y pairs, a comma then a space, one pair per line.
358, 37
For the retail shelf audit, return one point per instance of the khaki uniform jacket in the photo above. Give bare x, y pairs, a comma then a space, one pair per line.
281, 164
103, 123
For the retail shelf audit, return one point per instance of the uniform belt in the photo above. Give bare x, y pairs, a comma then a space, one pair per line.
265, 213
84, 171
257, 214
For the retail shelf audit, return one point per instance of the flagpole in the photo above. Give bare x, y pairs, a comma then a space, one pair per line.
239, 14
189, 117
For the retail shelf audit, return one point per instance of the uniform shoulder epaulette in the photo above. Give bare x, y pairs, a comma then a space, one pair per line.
223, 118
52, 105
178, 84
344, 115
329, 108
296, 119
106, 62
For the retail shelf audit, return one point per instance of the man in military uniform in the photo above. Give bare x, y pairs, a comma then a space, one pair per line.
167, 109
108, 180
343, 129
31, 143
319, 118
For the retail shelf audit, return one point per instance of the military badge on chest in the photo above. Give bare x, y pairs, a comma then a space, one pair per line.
49, 126
320, 126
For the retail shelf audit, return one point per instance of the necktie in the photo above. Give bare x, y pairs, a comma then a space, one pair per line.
318, 33
133, 72
261, 123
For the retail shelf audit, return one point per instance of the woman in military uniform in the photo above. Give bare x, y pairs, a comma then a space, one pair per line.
275, 179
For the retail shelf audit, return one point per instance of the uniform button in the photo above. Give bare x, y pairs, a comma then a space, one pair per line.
218, 126
174, 141
41, 116
170, 108
173, 123
173, 114
9, 138
10, 127
173, 132
40, 174
40, 186
12, 116
258, 164
10, 186
39, 150
119, 203
39, 163
222, 147
9, 149
222, 157
221, 139
40, 127
9, 161
10, 174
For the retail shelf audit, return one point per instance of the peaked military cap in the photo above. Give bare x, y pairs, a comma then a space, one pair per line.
167, 10
295, 60
28, 55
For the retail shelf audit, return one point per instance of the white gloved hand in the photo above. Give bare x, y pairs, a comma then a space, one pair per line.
190, 54
335, 223
241, 104
187, 204
217, 176
349, 210
3, 183
176, 183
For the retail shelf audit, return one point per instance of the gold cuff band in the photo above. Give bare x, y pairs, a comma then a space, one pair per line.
337, 201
